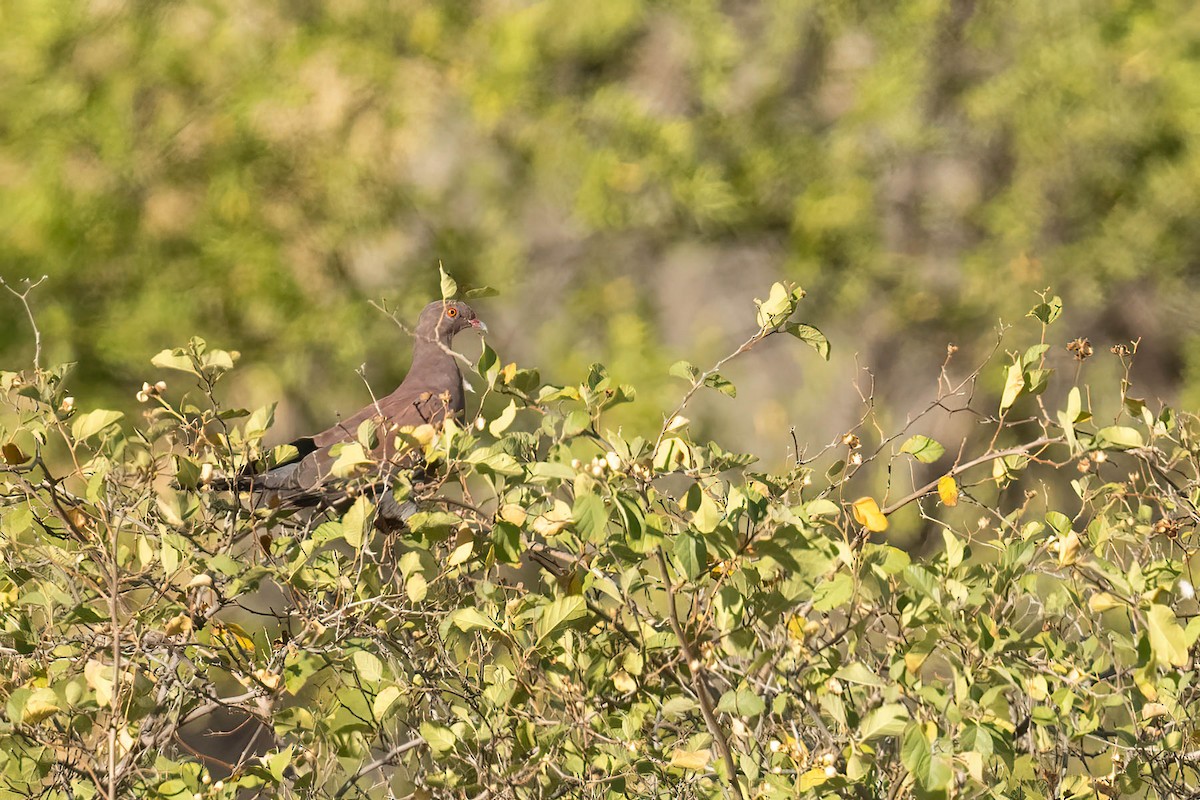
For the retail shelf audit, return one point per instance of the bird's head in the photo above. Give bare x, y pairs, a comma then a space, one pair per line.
442, 319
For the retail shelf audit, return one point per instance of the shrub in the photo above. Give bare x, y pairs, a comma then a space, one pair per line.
576, 612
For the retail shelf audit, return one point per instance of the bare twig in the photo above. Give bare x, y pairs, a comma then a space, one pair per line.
23, 297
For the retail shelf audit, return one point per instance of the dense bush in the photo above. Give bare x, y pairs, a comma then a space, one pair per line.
576, 613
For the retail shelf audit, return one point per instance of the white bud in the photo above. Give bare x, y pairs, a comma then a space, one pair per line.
830, 772
146, 387
597, 470
479, 424
1186, 590
200, 580
206, 473
774, 745
160, 387
142, 397
576, 463
614, 460
219, 785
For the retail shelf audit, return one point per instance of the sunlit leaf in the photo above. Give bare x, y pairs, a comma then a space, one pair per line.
810, 336
691, 759
93, 422
923, 449
867, 513
448, 284
947, 489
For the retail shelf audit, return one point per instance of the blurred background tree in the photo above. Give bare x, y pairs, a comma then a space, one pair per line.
627, 173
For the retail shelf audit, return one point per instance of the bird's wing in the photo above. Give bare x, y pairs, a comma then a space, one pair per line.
313, 465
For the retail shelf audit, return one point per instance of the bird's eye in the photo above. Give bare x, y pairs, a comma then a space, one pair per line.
451, 312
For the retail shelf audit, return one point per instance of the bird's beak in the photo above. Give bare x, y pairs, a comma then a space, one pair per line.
479, 325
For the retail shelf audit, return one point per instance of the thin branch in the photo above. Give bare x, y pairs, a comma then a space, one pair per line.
23, 297
699, 681
1020, 450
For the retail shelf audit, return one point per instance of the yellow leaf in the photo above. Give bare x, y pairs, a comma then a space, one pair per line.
180, 624
511, 512
812, 779
948, 491
384, 700
1013, 385
624, 682
232, 635
1068, 549
41, 704
867, 514
1101, 602
461, 553
1149, 711
696, 759
99, 677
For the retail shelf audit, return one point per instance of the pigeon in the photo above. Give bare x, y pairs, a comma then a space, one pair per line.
432, 391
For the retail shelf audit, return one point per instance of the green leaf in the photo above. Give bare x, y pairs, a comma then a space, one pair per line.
1074, 405
1013, 384
449, 285
707, 514
441, 740
350, 456
776, 308
685, 370
833, 594
93, 422
387, 696
717, 381
558, 615
887, 720
1034, 355
368, 665
692, 554
1168, 641
590, 516
954, 548
277, 764
416, 587
354, 523
260, 422
915, 752
857, 672
174, 788
501, 423
1049, 311
923, 449
1059, 521
741, 702
822, 507
506, 538
491, 460
810, 336
177, 359
1118, 437
691, 759
470, 619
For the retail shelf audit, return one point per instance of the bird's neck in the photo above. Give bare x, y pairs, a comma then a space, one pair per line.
433, 355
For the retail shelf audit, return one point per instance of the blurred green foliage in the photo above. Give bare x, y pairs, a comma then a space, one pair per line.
253, 171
